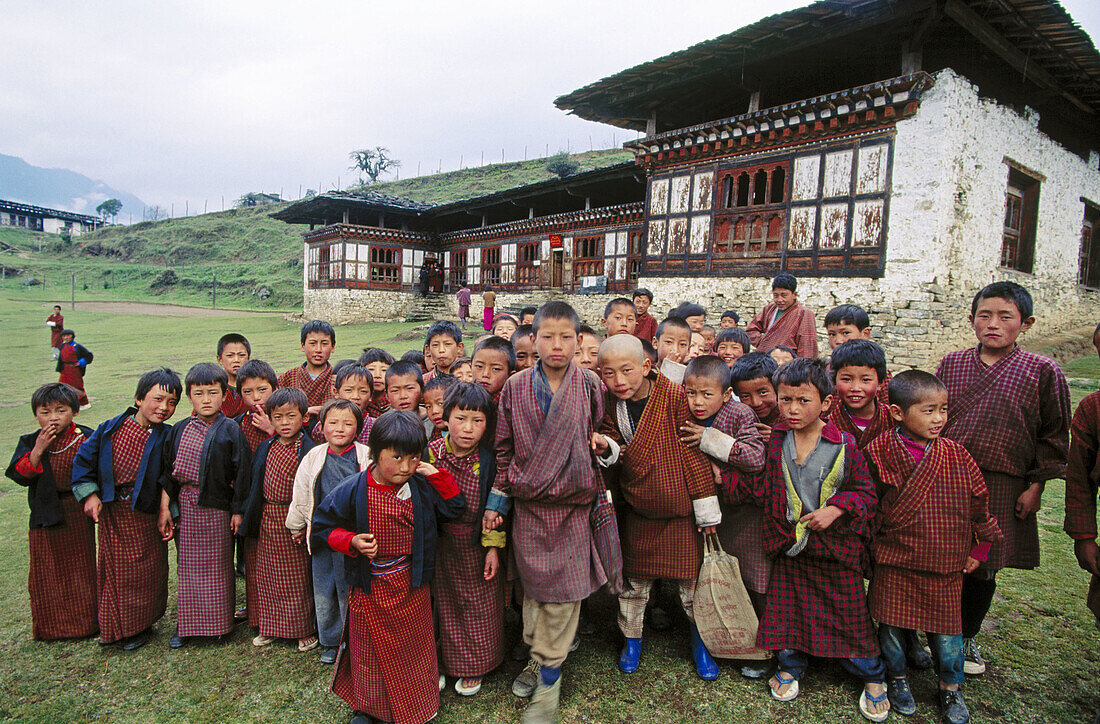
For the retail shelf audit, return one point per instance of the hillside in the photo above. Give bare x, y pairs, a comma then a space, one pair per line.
59, 188
257, 260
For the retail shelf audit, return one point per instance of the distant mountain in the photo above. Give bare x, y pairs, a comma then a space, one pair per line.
59, 188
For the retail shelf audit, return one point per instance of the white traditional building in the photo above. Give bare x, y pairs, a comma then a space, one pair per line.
51, 221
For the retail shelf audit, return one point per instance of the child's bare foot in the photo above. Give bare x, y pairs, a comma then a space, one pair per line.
784, 687
873, 703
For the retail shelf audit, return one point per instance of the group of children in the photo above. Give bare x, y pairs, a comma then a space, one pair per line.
389, 510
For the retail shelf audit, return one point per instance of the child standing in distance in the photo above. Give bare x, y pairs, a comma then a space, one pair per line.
314, 376
61, 539
1084, 457
527, 316
72, 361
469, 587
445, 345
116, 476
818, 501
434, 392
784, 321
588, 349
673, 346
488, 302
1010, 410
729, 319
731, 344
404, 386
751, 378
355, 383
709, 339
385, 519
56, 323
668, 505
377, 361
206, 475
619, 317
523, 344
463, 298
283, 602
546, 424
933, 527
504, 326
859, 369
233, 352
645, 324
320, 471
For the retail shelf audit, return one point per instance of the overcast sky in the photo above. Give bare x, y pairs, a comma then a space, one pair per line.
192, 101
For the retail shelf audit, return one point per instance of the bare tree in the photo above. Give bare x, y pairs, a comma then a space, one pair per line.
372, 162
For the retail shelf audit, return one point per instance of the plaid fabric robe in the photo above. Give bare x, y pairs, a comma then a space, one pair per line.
796, 328
233, 404
659, 477
879, 424
545, 465
1082, 476
318, 391
931, 515
1013, 419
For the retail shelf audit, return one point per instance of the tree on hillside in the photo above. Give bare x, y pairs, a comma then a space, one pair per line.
248, 200
110, 207
562, 164
373, 162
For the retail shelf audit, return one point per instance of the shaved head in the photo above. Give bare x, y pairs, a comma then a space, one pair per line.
622, 344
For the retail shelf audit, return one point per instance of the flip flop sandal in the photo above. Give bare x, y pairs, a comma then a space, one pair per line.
865, 701
465, 689
784, 678
308, 644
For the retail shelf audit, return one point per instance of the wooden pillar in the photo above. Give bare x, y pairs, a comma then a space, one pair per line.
345, 216
530, 212
911, 58
381, 220
754, 102
651, 124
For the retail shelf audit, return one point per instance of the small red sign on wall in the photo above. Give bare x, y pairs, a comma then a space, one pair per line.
555, 241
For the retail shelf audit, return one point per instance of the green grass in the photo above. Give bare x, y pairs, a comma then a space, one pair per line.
1041, 642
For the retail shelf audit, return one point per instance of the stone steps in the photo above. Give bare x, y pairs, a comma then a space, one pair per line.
429, 309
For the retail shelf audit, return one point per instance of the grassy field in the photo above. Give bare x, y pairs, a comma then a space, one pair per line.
1040, 639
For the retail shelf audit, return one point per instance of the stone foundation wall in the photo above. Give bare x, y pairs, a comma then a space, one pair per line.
351, 306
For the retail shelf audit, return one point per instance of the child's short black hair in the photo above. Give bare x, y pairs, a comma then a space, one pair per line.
458, 363
443, 327
852, 314
339, 403
527, 310
618, 302
234, 338
642, 292
440, 382
859, 353
707, 328
711, 367
730, 314
590, 331
556, 310
911, 386
375, 354
753, 366
414, 356
207, 373
468, 396
805, 370
160, 377
350, 371
672, 323
785, 281
399, 430
69, 332
401, 368
318, 325
257, 369
57, 306
341, 365
734, 334
523, 330
688, 309
55, 392
1009, 291
650, 351
287, 396
498, 344
784, 348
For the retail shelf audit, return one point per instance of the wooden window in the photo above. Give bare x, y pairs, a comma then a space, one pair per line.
1021, 214
761, 202
587, 247
385, 266
1089, 269
458, 269
490, 265
526, 254
587, 257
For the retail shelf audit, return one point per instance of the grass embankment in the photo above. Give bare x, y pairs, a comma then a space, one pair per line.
1040, 639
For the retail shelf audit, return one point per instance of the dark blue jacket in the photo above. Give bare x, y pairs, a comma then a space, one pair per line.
93, 470
42, 495
224, 465
254, 503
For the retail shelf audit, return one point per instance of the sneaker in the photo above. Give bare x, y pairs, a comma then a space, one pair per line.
328, 656
901, 697
973, 663
953, 707
263, 640
528, 679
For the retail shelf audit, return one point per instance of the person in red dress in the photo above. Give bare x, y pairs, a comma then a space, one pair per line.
71, 364
56, 323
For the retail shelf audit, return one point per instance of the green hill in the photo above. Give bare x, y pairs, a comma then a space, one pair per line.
256, 259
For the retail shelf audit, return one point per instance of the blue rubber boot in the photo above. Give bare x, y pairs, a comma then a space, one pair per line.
628, 659
705, 666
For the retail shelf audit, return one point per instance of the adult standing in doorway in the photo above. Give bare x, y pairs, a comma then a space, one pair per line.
489, 299
56, 323
463, 298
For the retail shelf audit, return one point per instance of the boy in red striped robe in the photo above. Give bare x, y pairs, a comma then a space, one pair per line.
116, 476
61, 539
72, 362
314, 376
233, 352
848, 322
385, 519
933, 527
1010, 410
377, 361
859, 372
784, 322
751, 379
1082, 475
205, 479
469, 587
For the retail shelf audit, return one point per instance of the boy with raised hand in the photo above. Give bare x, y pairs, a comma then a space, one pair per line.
619, 316
645, 324
205, 477
314, 376
933, 526
673, 343
233, 352
546, 423
523, 343
818, 501
61, 540
444, 344
56, 323
784, 321
751, 378
377, 361
116, 475
859, 369
256, 381
1010, 410
667, 505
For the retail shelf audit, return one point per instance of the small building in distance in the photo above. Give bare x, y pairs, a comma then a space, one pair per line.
51, 221
897, 154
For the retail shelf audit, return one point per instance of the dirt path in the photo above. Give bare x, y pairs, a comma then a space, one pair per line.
161, 310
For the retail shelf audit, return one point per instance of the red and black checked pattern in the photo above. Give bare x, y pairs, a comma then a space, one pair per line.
737, 420
879, 424
62, 453
377, 405
252, 434
71, 374
205, 592
133, 571
233, 404
318, 391
251, 591
62, 580
796, 328
282, 464
1083, 470
1018, 546
284, 582
917, 600
189, 454
127, 448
